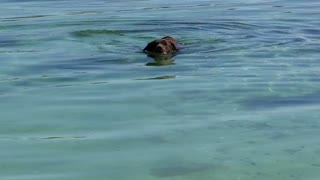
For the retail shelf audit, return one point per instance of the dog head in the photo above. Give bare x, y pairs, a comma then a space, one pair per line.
164, 45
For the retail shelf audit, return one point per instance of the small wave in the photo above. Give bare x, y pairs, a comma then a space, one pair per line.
24, 17
19, 51
89, 32
218, 24
158, 78
63, 137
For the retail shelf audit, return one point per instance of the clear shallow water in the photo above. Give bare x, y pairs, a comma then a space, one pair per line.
78, 101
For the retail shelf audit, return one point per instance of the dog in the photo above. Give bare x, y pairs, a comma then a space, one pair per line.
164, 46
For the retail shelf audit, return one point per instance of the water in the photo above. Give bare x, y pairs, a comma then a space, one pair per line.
240, 102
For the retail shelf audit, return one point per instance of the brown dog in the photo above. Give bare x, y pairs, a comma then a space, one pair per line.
165, 45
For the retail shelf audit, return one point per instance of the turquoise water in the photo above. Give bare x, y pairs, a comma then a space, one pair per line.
240, 102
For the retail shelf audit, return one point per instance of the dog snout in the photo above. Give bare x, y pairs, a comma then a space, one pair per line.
159, 49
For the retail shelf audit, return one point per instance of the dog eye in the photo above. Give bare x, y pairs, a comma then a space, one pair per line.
164, 42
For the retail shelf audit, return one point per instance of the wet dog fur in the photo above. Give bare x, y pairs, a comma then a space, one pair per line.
164, 46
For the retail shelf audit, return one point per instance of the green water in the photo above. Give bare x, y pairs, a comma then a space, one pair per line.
240, 102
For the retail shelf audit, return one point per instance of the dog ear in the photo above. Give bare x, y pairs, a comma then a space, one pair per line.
151, 46
174, 46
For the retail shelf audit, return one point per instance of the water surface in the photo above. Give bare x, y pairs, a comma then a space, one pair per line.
78, 101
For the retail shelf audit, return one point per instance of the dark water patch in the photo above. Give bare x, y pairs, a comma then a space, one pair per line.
25, 42
306, 50
270, 102
261, 125
288, 42
117, 61
237, 25
135, 140
105, 32
155, 8
274, 32
62, 85
229, 25
52, 79
8, 79
58, 24
314, 79
100, 82
160, 63
158, 78
293, 151
298, 40
84, 33
20, 51
232, 124
278, 135
24, 17
243, 124
313, 32
8, 42
14, 41
250, 36
43, 81
182, 169
316, 165
85, 12
63, 137
74, 84
83, 64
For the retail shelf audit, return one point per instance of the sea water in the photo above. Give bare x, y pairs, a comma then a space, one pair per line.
240, 102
